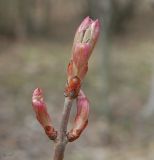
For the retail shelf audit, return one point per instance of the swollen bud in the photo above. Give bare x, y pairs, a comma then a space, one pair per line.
85, 39
42, 115
81, 119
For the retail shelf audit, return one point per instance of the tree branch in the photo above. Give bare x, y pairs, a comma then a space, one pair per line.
65, 117
62, 137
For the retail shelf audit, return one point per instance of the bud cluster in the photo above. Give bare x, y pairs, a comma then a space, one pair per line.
84, 42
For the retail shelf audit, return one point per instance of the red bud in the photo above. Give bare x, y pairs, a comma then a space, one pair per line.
81, 119
41, 112
84, 42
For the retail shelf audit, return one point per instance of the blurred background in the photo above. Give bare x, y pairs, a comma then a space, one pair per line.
36, 37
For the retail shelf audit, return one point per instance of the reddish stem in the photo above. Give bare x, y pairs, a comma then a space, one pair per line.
61, 141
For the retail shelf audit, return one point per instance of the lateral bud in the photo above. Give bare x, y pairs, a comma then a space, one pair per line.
42, 115
81, 119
